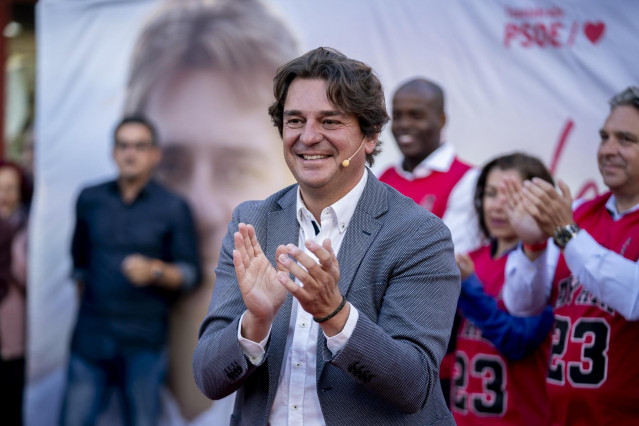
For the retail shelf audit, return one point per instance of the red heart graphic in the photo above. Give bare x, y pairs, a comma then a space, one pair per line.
594, 30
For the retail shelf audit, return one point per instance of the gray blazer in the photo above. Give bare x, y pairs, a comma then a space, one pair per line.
396, 267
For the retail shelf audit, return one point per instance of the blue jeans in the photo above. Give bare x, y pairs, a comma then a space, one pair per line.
137, 378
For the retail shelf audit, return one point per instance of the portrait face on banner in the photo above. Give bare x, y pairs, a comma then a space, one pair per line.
219, 150
202, 72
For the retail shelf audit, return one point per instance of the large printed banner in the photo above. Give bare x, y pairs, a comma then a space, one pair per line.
521, 75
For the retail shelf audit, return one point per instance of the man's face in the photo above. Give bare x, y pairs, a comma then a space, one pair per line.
618, 153
416, 123
318, 136
217, 151
134, 152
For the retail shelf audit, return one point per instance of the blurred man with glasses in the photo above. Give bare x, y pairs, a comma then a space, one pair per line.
134, 251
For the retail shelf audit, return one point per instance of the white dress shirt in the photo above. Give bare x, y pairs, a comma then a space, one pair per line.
460, 216
296, 401
607, 275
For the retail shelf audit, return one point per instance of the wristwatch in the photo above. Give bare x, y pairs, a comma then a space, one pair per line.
563, 234
157, 270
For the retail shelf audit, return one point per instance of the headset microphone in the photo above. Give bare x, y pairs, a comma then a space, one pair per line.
347, 162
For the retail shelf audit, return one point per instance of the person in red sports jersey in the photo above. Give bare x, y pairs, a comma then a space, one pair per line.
430, 172
500, 359
590, 275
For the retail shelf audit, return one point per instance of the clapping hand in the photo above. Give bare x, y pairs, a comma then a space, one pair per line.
264, 288
262, 293
522, 221
465, 264
549, 208
318, 293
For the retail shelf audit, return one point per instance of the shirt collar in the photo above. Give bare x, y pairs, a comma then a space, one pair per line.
611, 206
439, 160
343, 209
146, 189
493, 248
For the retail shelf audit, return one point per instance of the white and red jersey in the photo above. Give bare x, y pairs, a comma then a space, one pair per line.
593, 371
489, 388
432, 191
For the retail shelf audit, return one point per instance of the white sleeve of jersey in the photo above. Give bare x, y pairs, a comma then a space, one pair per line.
528, 283
607, 275
460, 216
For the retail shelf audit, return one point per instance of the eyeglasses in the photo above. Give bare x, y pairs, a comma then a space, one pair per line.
137, 146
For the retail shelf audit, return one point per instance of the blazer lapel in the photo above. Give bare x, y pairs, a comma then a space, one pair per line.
362, 230
282, 229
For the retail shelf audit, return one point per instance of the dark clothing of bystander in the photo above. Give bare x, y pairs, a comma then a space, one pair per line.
116, 316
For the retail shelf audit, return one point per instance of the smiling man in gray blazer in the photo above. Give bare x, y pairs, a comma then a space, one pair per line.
334, 297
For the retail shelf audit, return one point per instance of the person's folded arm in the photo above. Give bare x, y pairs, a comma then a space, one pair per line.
515, 337
607, 275
185, 264
80, 247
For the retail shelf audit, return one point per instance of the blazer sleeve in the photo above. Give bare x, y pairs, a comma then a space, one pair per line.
397, 355
219, 365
